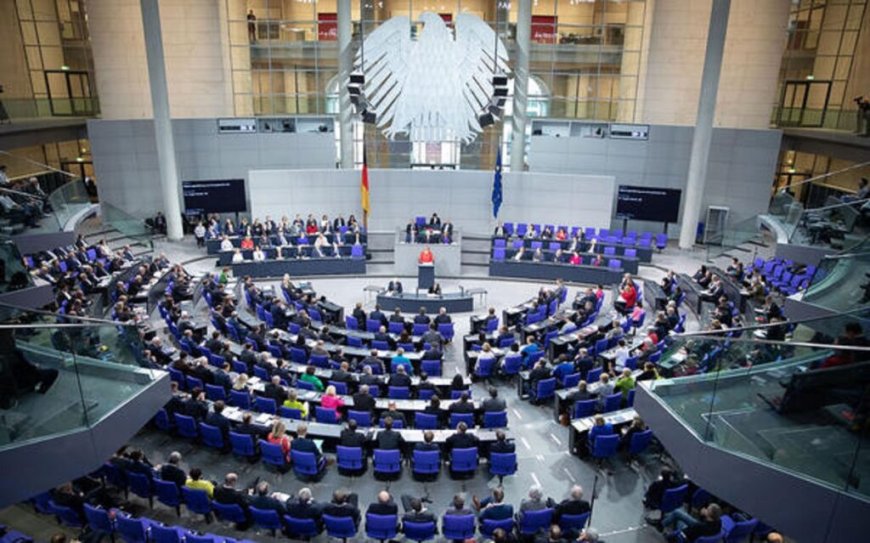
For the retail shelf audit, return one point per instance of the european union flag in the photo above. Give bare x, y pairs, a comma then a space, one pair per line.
496, 186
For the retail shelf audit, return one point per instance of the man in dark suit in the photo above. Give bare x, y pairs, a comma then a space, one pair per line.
363, 401
217, 419
275, 391
171, 470
248, 356
279, 314
342, 374
493, 403
462, 405
372, 360
221, 377
457, 507
424, 383
384, 505
227, 493
303, 506
428, 443
442, 317
247, 427
263, 500
422, 317
461, 439
393, 413
215, 344
432, 337
378, 315
350, 437
196, 406
303, 443
343, 504
400, 378
501, 444
417, 512
389, 439
360, 315
572, 505
382, 335
493, 508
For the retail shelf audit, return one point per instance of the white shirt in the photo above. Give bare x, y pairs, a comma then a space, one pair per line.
226, 245
199, 231
238, 257
259, 256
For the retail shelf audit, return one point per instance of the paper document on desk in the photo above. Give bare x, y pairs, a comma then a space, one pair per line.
263, 418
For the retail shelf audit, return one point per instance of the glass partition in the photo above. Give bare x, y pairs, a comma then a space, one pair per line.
68, 200
798, 405
13, 273
823, 210
841, 282
61, 374
128, 225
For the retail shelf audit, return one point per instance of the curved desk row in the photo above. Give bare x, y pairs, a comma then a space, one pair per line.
643, 253
550, 271
213, 245
225, 258
312, 266
627, 264
454, 302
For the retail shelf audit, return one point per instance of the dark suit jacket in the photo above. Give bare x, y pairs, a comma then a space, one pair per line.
304, 510
462, 441
229, 496
343, 510
267, 502
275, 392
571, 507
389, 440
351, 438
219, 420
173, 473
363, 402
399, 380
379, 508
422, 516
303, 444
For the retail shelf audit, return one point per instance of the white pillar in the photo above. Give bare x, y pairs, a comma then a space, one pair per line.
521, 85
345, 65
162, 122
704, 122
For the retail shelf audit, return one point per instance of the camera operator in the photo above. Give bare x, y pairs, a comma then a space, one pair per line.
4, 116
862, 124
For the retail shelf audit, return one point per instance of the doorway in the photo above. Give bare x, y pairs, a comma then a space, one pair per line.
804, 103
69, 93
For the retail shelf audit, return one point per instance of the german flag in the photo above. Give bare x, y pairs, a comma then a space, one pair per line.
364, 188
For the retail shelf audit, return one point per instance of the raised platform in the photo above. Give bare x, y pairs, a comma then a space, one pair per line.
314, 266
448, 258
411, 303
550, 271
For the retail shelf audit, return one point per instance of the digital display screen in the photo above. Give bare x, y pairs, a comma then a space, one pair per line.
648, 203
216, 196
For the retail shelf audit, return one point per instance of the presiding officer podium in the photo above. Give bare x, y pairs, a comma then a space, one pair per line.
425, 276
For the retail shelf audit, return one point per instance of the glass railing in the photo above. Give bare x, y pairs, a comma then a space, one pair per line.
62, 374
13, 274
798, 405
68, 200
20, 109
830, 119
734, 236
841, 282
823, 210
128, 225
